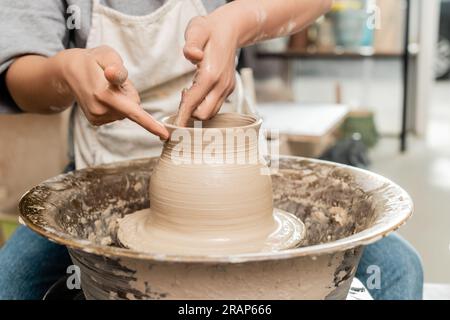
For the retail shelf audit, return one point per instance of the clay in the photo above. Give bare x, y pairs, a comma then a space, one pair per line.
140, 231
209, 195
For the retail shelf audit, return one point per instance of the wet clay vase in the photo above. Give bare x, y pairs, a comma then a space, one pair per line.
211, 193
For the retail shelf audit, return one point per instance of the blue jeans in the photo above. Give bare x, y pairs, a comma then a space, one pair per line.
30, 264
398, 266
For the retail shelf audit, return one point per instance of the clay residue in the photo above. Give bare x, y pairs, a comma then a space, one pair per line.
101, 228
86, 205
326, 198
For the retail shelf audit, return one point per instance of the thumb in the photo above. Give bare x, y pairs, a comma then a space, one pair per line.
116, 74
111, 63
196, 36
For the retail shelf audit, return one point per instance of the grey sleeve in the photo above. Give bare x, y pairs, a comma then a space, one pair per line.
29, 27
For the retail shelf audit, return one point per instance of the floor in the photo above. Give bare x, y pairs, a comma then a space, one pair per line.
424, 171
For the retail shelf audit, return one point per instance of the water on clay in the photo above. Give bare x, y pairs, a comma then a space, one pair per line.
140, 232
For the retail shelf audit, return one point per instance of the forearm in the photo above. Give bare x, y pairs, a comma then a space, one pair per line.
257, 20
36, 85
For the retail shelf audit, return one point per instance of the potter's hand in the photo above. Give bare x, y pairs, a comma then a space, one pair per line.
99, 83
211, 45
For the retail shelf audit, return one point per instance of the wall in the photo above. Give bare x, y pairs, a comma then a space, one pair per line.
32, 149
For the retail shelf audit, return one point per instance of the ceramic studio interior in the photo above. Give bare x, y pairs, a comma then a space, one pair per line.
221, 150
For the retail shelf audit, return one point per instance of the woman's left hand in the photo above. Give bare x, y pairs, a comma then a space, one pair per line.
210, 45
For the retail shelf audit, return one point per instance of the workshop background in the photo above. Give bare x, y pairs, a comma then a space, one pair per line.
367, 85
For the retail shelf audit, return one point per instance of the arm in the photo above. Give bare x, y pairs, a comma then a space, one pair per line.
258, 20
42, 76
36, 85
95, 78
29, 28
212, 41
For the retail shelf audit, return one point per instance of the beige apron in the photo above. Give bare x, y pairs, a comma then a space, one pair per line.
151, 47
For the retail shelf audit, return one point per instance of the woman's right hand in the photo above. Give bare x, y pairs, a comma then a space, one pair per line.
98, 81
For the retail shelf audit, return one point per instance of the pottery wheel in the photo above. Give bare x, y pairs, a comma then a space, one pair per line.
138, 231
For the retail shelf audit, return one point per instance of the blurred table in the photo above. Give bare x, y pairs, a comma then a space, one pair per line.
304, 129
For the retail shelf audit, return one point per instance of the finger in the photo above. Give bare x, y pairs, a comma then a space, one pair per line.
211, 102
196, 37
183, 113
192, 97
100, 113
225, 94
219, 105
116, 74
112, 64
132, 111
145, 120
128, 89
